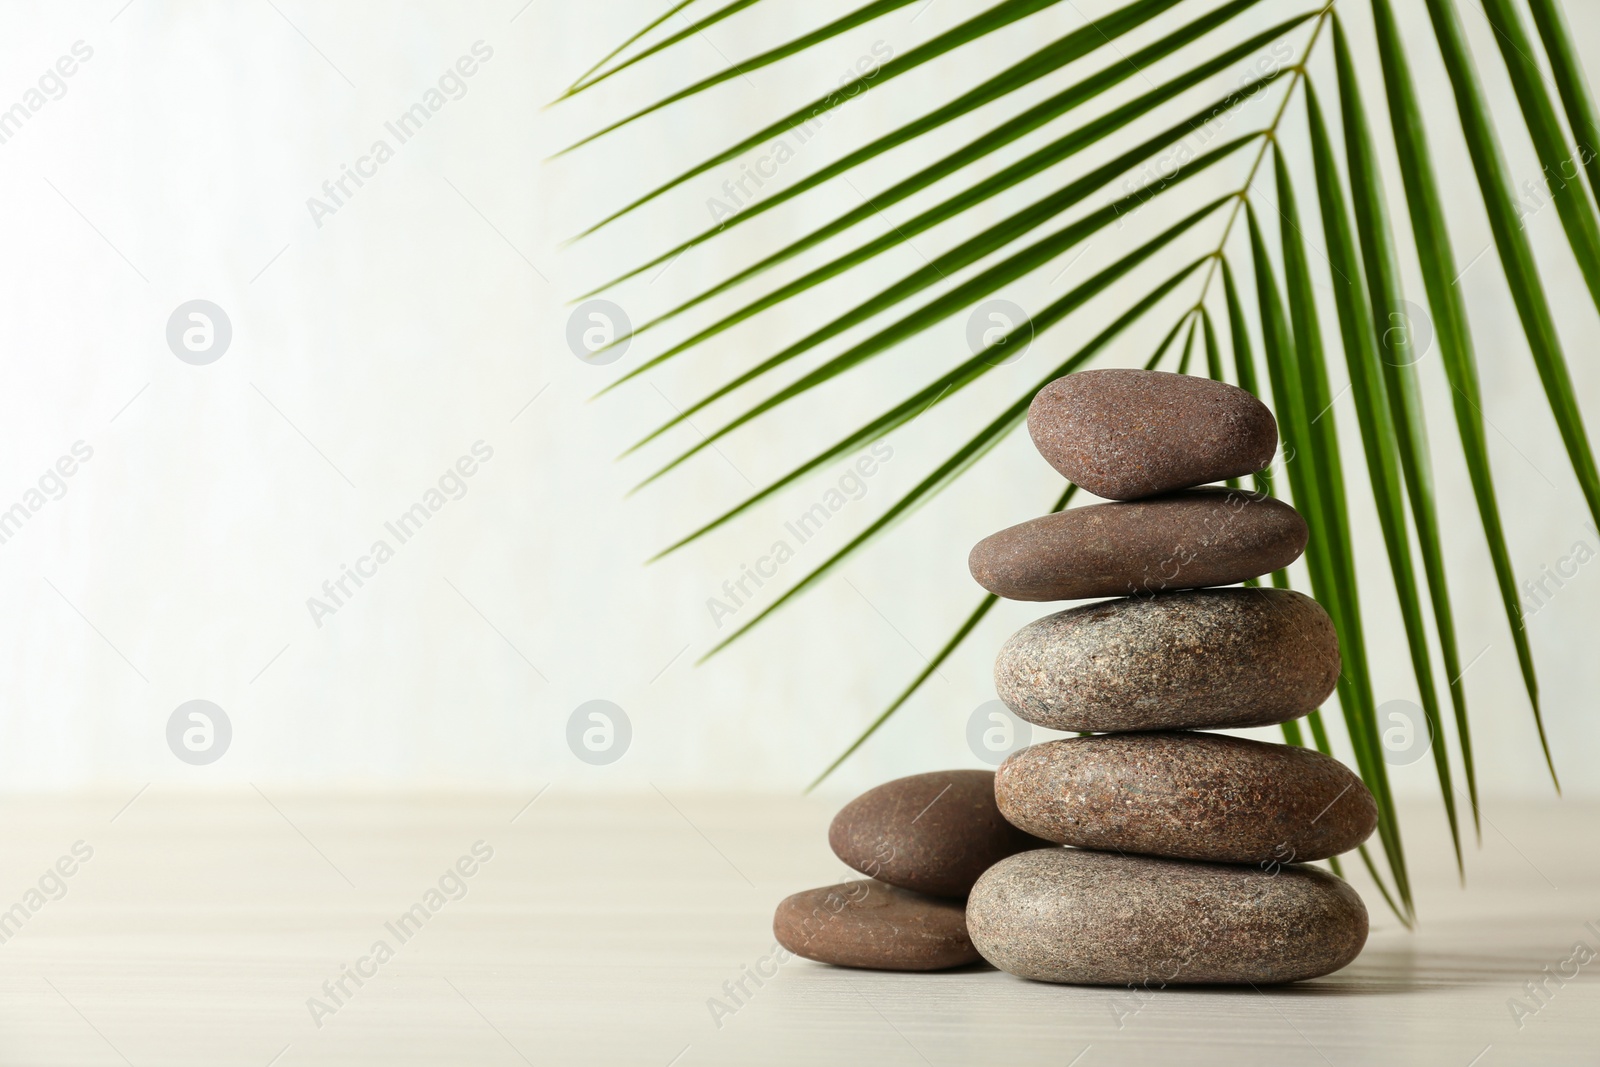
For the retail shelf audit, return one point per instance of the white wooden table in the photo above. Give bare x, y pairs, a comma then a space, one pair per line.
601, 929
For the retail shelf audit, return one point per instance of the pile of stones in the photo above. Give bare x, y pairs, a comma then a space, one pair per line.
1188, 849
922, 841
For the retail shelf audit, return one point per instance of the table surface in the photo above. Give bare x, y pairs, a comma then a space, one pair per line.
218, 928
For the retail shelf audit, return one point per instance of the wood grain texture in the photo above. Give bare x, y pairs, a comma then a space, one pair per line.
601, 929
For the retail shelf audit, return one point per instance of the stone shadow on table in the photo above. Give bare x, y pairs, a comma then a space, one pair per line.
1397, 969
1381, 970
978, 967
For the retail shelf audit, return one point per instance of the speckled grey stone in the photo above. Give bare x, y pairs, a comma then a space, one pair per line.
933, 833
1097, 918
869, 924
1186, 540
1127, 434
1187, 796
1199, 659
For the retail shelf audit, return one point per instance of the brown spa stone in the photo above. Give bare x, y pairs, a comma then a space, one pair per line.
1188, 796
869, 924
1097, 918
1195, 659
1185, 540
933, 833
1127, 434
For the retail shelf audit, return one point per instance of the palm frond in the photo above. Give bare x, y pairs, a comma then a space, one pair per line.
1364, 245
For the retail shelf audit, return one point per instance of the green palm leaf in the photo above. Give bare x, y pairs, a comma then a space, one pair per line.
1366, 299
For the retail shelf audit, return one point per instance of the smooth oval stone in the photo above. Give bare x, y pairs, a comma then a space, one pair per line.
1097, 918
1187, 796
934, 833
869, 924
1127, 434
1198, 659
1189, 539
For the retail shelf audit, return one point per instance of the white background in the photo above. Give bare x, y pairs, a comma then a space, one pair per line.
429, 313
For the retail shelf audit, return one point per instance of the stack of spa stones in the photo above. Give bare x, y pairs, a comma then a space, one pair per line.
1188, 848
